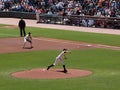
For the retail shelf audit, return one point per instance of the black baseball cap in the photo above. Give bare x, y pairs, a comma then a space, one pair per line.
29, 33
64, 49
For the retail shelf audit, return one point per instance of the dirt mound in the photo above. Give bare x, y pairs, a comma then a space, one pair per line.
51, 74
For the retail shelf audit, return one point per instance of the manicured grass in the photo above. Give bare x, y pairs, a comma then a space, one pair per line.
105, 70
8, 32
1, 25
96, 38
104, 64
107, 39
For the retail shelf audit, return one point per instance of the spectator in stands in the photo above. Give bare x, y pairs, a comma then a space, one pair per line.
100, 8
38, 15
49, 12
105, 7
7, 5
1, 5
118, 14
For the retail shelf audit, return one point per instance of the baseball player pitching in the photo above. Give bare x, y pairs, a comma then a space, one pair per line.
60, 58
28, 38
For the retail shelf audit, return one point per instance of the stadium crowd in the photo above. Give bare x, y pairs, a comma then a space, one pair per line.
110, 8
100, 8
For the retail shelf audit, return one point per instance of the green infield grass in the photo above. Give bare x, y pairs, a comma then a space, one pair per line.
107, 39
104, 63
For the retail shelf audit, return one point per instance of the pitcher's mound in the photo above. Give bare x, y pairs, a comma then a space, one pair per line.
51, 74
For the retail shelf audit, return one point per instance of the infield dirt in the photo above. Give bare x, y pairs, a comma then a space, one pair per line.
9, 45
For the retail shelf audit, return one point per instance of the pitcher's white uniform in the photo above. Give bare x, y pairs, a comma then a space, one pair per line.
60, 58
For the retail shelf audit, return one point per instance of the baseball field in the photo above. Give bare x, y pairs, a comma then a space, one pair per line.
94, 52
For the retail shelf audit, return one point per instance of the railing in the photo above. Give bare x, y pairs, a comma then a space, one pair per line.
104, 22
53, 19
14, 14
86, 21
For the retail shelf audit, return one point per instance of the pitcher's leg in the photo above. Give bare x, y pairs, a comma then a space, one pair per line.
50, 66
55, 63
65, 70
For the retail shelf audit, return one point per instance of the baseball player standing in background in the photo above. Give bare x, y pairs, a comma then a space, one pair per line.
28, 38
60, 58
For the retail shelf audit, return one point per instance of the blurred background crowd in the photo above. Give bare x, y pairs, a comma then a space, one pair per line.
108, 8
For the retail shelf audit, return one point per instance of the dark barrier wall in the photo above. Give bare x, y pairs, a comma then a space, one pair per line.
76, 20
25, 15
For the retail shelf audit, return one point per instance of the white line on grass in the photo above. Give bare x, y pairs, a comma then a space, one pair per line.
64, 42
81, 44
68, 42
43, 39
